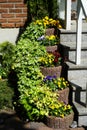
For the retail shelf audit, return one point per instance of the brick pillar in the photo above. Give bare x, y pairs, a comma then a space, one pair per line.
13, 13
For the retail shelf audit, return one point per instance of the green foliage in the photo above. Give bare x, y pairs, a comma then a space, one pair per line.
33, 31
35, 99
41, 8
6, 53
6, 95
26, 56
26, 66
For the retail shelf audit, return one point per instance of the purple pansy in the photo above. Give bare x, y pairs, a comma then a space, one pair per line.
49, 78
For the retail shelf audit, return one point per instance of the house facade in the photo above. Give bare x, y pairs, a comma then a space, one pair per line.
13, 13
13, 16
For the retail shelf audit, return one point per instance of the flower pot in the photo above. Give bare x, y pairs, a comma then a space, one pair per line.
58, 122
63, 95
50, 31
51, 48
51, 71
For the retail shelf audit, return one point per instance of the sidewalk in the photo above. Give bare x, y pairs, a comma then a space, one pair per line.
10, 121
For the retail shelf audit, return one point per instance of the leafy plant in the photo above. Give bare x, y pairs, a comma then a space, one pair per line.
6, 95
33, 32
40, 101
27, 69
6, 53
56, 83
41, 8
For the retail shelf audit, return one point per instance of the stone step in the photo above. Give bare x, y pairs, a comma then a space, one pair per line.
78, 80
77, 74
70, 35
69, 51
81, 112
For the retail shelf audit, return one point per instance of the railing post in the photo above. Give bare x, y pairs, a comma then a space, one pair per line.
68, 14
79, 32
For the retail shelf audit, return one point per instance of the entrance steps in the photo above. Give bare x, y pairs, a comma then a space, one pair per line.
77, 74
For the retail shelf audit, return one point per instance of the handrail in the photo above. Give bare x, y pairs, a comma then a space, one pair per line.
84, 7
81, 9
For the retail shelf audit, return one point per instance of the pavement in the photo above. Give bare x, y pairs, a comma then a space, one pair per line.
10, 121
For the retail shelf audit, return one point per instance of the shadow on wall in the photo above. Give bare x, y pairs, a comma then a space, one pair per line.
78, 92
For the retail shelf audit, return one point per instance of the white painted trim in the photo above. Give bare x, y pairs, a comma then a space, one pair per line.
84, 7
68, 14
79, 31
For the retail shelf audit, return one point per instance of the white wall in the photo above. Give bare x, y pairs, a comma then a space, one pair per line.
10, 34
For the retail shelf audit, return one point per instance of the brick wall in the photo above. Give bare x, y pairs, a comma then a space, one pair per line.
13, 13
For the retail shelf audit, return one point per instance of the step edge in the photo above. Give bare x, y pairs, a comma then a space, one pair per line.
80, 113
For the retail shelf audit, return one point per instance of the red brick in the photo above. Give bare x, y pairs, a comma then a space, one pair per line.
7, 15
15, 10
15, 20
13, 13
21, 15
7, 25
20, 5
3, 20
3, 1
19, 25
15, 1
6, 5
3, 10
25, 10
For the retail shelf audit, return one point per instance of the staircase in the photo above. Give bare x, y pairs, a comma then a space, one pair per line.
77, 74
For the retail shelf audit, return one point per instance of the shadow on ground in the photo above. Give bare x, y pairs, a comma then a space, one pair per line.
10, 121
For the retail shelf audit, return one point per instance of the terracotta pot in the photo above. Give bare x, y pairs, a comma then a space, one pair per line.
64, 95
52, 48
51, 71
50, 31
58, 122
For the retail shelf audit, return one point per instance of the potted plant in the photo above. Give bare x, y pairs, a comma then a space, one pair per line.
51, 64
60, 116
58, 85
50, 42
51, 25
39, 103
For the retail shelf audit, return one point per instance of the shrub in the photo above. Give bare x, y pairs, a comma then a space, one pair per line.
40, 8
6, 95
6, 53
